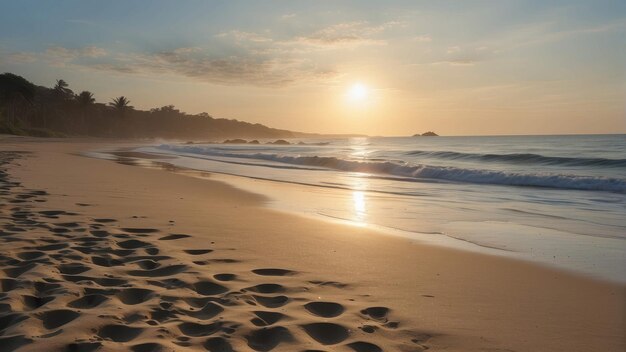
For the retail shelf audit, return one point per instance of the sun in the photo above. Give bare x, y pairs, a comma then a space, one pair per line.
358, 92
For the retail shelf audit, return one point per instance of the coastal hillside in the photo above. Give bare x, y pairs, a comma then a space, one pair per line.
28, 109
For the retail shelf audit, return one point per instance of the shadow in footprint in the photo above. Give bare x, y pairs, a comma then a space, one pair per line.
106, 262
56, 318
208, 288
266, 318
30, 255
326, 333
267, 339
271, 302
10, 320
225, 277
195, 329
273, 272
7, 285
198, 251
147, 347
10, 344
174, 236
139, 230
103, 221
218, 344
376, 313
34, 302
324, 309
132, 296
361, 346
119, 333
209, 311
19, 270
133, 244
88, 301
164, 271
73, 268
83, 347
266, 288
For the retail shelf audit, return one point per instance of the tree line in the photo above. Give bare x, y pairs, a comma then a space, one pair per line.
26, 108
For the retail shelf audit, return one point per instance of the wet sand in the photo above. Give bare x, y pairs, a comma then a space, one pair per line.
99, 255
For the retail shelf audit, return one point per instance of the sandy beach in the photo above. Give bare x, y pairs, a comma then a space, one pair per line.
97, 255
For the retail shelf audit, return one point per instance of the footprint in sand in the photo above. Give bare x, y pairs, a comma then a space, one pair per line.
324, 309
147, 347
376, 313
266, 288
9, 320
271, 302
104, 220
34, 302
88, 301
73, 268
12, 343
268, 338
139, 230
173, 237
56, 318
164, 271
273, 272
132, 296
7, 285
225, 277
196, 329
266, 318
209, 288
119, 333
133, 244
361, 346
209, 311
326, 333
198, 251
218, 344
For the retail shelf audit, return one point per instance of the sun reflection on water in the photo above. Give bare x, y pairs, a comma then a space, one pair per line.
359, 199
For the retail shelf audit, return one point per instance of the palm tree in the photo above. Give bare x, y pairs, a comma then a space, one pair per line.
62, 90
85, 102
85, 98
121, 104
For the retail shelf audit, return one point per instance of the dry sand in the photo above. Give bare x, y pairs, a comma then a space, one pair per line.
102, 256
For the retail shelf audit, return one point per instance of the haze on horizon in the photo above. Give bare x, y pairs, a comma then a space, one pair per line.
392, 68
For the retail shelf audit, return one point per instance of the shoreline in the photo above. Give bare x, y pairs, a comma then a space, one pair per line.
493, 303
284, 196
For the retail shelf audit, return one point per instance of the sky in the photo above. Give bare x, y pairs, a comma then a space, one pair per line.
370, 67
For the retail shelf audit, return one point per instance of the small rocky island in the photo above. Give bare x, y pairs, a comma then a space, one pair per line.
426, 134
243, 141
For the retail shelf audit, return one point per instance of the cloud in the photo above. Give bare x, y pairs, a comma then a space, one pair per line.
235, 57
70, 54
422, 38
465, 56
345, 34
21, 57
58, 56
241, 36
233, 70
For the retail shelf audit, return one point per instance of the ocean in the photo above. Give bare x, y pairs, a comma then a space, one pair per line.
555, 200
